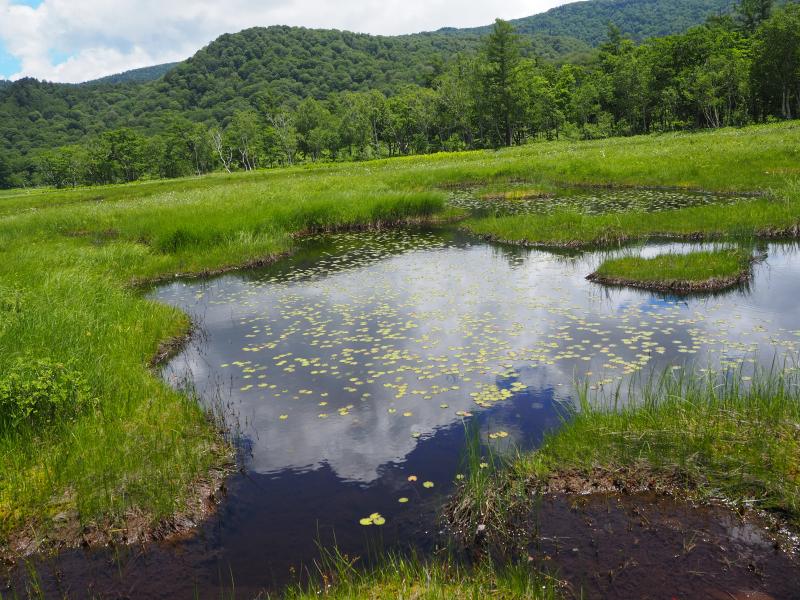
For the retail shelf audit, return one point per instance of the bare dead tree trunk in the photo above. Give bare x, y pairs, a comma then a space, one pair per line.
219, 148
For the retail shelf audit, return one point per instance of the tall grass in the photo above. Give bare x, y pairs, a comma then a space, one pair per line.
339, 577
773, 216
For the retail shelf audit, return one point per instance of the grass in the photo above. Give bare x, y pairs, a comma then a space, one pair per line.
767, 217
694, 271
402, 577
716, 436
70, 262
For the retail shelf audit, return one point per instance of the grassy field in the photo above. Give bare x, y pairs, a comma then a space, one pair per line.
704, 436
693, 271
74, 329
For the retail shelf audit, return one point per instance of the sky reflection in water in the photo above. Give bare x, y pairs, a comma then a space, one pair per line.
361, 345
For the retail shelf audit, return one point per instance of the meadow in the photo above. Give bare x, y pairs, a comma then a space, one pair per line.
102, 441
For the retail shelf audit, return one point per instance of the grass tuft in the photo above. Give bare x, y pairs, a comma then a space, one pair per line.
340, 577
691, 272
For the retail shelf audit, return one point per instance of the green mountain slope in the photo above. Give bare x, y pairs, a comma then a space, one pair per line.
265, 66
638, 19
142, 75
258, 65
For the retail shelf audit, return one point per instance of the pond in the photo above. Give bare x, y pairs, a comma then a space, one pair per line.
525, 199
350, 371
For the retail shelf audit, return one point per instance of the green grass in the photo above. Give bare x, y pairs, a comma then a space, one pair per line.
69, 260
673, 269
720, 436
440, 579
772, 216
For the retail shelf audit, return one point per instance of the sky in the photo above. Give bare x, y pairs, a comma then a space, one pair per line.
79, 40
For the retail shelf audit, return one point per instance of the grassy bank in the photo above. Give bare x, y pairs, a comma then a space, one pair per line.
710, 437
691, 272
400, 577
775, 216
72, 323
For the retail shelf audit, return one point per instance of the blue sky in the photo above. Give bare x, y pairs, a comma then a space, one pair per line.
8, 63
78, 40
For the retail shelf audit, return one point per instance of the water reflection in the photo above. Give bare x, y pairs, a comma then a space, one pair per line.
364, 345
355, 364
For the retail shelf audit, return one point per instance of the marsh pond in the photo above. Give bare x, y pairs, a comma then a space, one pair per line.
349, 373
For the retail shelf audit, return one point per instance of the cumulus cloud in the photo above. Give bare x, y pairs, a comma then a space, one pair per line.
78, 40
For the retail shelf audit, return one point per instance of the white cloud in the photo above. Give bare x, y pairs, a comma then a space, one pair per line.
100, 37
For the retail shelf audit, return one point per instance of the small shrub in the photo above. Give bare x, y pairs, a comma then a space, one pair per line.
41, 393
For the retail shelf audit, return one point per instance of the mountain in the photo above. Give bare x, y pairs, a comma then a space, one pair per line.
264, 66
638, 19
273, 64
142, 75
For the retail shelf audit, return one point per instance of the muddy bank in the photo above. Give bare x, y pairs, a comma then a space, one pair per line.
651, 545
66, 531
633, 533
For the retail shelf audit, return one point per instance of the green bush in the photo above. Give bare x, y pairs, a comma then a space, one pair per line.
40, 393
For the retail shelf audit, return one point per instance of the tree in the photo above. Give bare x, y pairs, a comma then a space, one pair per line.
751, 13
719, 87
354, 120
62, 167
117, 155
456, 100
185, 148
776, 62
223, 151
282, 136
501, 77
315, 126
5, 173
245, 134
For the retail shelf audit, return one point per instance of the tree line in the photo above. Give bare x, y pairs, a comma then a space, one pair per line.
731, 71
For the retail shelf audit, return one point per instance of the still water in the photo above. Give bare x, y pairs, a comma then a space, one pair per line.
355, 365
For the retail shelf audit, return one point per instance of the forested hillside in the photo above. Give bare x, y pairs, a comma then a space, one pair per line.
268, 96
637, 19
137, 75
254, 68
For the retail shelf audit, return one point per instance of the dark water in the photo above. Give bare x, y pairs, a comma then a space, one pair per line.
525, 199
357, 363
